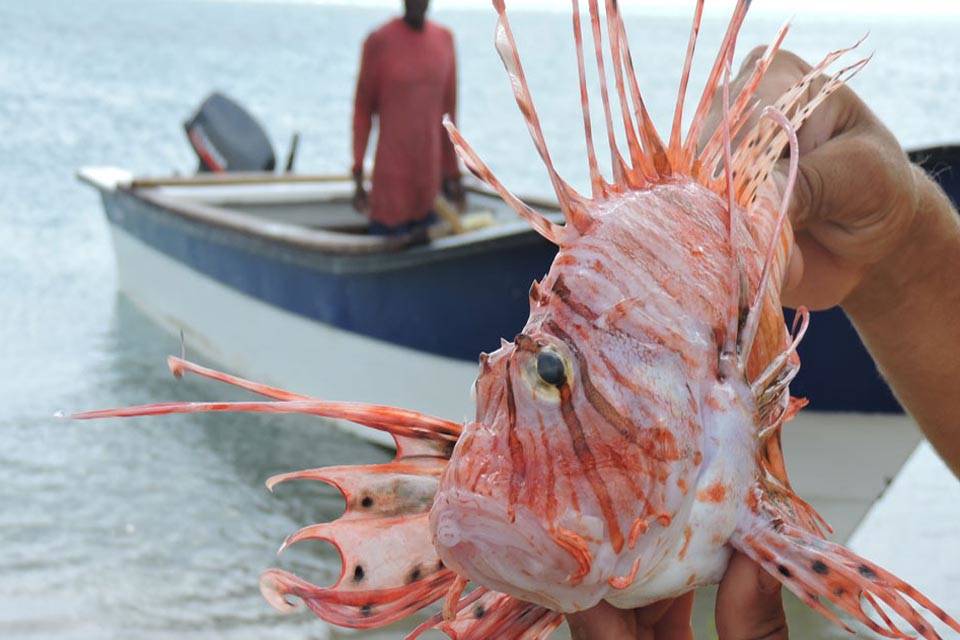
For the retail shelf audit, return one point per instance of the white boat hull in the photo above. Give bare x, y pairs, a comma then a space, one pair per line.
267, 344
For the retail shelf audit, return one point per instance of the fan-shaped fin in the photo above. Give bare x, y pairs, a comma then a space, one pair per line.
817, 570
619, 168
402, 487
617, 42
771, 376
179, 366
775, 408
655, 162
728, 359
389, 566
750, 325
484, 614
377, 552
356, 608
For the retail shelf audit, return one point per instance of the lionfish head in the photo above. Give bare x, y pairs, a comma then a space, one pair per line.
562, 485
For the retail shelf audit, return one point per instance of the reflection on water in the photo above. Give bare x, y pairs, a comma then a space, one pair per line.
155, 527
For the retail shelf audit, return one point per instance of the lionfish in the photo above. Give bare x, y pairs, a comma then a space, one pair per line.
628, 439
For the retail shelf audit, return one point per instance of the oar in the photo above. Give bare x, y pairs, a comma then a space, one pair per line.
446, 210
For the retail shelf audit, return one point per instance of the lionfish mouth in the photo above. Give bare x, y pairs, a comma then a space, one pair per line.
517, 554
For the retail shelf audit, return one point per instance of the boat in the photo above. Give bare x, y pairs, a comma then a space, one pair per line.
273, 276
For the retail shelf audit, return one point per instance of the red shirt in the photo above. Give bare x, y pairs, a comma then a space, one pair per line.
408, 78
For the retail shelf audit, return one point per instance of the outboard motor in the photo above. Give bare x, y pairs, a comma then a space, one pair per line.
227, 138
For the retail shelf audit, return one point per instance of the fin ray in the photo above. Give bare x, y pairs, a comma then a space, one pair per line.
358, 609
815, 569
390, 419
549, 230
507, 49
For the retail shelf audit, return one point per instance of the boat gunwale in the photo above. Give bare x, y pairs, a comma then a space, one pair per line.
330, 251
219, 215
471, 185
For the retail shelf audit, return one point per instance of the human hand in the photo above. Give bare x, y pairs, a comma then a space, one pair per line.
667, 620
857, 194
360, 199
454, 192
749, 607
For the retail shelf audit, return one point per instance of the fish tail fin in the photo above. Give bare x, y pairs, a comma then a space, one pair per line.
822, 573
485, 614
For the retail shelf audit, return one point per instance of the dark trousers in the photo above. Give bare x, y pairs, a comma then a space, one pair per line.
414, 228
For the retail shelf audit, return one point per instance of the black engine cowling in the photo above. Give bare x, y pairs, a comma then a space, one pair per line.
227, 138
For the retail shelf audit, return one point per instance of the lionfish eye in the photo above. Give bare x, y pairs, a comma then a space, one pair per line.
550, 368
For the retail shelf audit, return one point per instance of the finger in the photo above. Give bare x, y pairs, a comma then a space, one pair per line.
749, 606
675, 623
794, 274
840, 180
826, 278
601, 622
647, 617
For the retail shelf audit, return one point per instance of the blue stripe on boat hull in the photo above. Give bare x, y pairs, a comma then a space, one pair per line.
455, 307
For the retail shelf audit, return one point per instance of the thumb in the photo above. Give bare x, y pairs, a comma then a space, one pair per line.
806, 192
749, 606
841, 181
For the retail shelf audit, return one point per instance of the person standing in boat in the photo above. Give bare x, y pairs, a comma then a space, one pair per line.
408, 79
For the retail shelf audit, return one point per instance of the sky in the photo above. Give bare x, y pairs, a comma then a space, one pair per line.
832, 7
